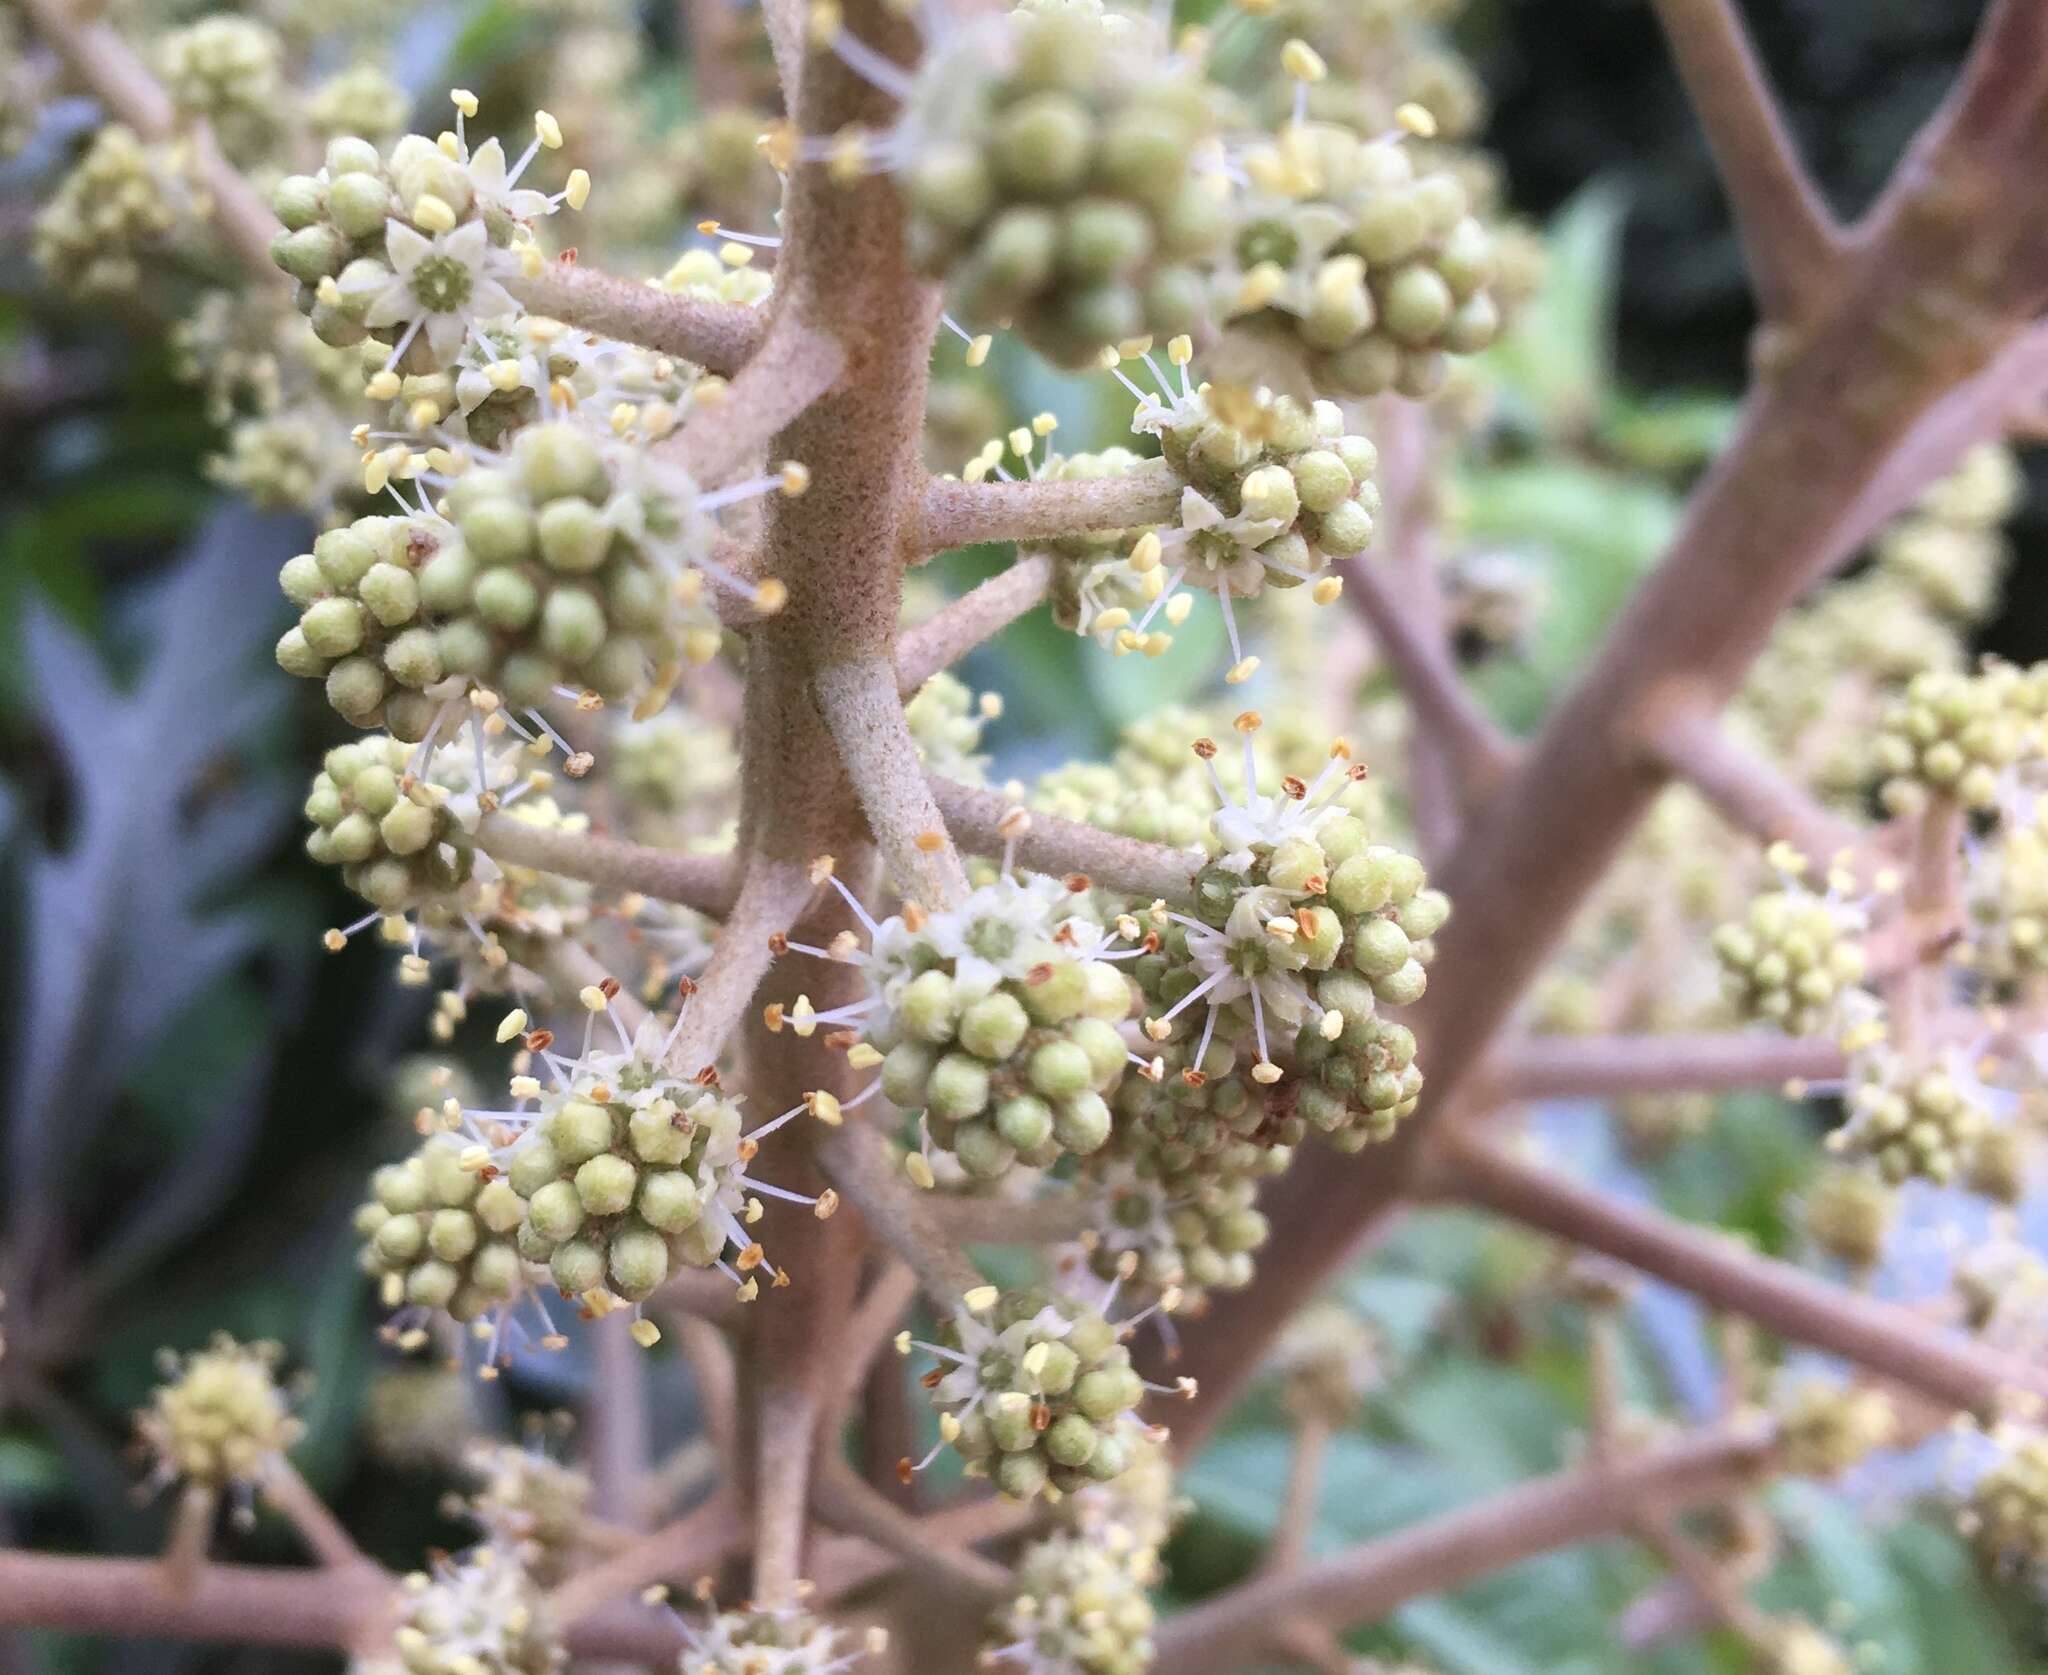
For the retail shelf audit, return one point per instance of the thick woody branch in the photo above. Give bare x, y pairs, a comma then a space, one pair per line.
1726, 1274
1047, 844
771, 898
707, 883
1366, 1583
865, 717
1616, 1066
1942, 286
718, 336
977, 615
1689, 741
1792, 246
959, 514
96, 54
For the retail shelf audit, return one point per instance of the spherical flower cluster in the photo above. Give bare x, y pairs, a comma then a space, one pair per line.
1190, 1227
1274, 489
1950, 549
119, 203
538, 577
1079, 1608
219, 1418
2006, 1516
1035, 1388
386, 824
287, 461
2000, 1162
1848, 1213
526, 1503
480, 1614
1954, 735
2007, 925
228, 72
362, 100
629, 1173
1789, 959
998, 1020
1052, 165
1327, 1361
946, 720
1369, 268
1827, 1428
438, 1233
412, 249
1909, 1122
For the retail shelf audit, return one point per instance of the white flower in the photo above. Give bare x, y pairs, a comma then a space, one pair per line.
1215, 551
496, 187
440, 285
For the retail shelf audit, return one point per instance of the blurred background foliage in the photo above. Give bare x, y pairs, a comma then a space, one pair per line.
194, 1093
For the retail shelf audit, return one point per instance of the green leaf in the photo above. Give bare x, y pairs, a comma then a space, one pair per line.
1556, 364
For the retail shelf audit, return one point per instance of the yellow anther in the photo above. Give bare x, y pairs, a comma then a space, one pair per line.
577, 192
796, 477
549, 129
978, 348
1145, 555
1303, 62
770, 596
463, 100
981, 1299
432, 213
513, 1023
824, 22
1415, 119
1180, 350
1241, 672
735, 255
1327, 590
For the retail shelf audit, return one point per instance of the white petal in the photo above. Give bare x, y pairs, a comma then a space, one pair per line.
1196, 512
405, 245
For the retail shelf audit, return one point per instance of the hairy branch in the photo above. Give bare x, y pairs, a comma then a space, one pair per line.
848, 1504
718, 336
680, 1551
1721, 1271
1750, 793
977, 615
1058, 847
1614, 1066
865, 717
958, 514
772, 896
1791, 243
1366, 1583
707, 883
725, 435
856, 1160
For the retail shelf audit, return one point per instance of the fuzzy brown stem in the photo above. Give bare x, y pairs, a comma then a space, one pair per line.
707, 883
848, 1504
718, 336
1058, 847
1750, 793
1366, 1583
977, 615
958, 514
857, 1162
1615, 1066
293, 1496
728, 434
1792, 246
1726, 1274
680, 1551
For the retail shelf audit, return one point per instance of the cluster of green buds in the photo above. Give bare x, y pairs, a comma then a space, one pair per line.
385, 820
2006, 1515
1848, 1214
532, 579
1956, 735
121, 201
997, 1019
1827, 1428
1189, 1227
287, 461
479, 1614
363, 100
1079, 1607
1036, 1389
1910, 1122
628, 1172
439, 1233
414, 248
219, 1418
2007, 924
1274, 490
2000, 1163
1371, 270
526, 1503
1060, 172
1789, 960
228, 72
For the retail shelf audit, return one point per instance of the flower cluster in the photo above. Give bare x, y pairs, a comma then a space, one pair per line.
219, 1418
479, 1614
1079, 1608
1909, 1123
1052, 165
1789, 959
439, 1236
1036, 1389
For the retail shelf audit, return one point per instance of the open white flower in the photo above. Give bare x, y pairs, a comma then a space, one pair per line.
441, 285
1208, 549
